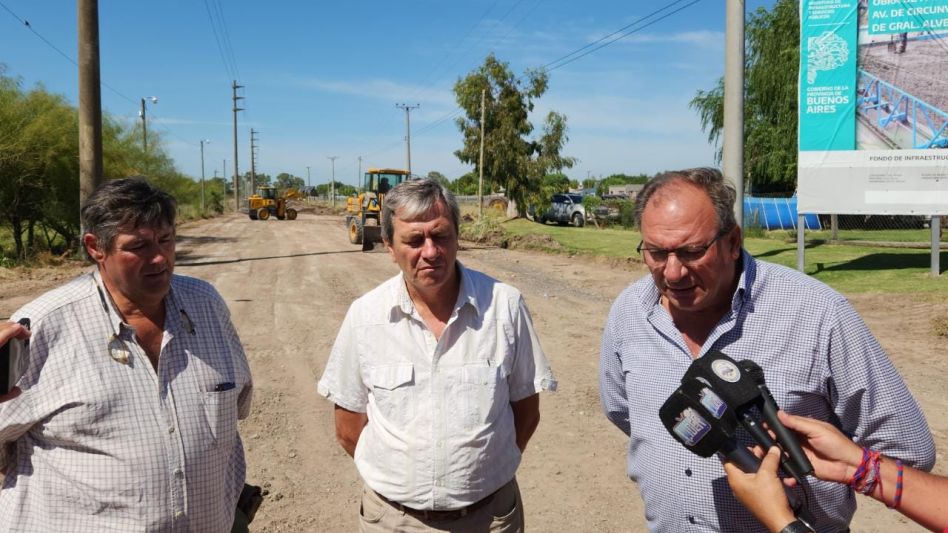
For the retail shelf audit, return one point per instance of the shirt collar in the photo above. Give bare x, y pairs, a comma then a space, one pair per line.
467, 293
173, 322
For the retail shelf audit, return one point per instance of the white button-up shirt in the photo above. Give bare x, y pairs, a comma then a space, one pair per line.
100, 441
441, 432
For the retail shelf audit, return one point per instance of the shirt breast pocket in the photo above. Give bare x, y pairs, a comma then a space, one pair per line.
392, 388
483, 394
220, 408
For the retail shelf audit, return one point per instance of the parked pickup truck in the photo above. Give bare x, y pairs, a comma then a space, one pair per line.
565, 209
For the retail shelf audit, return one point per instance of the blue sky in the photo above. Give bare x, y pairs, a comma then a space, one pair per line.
322, 78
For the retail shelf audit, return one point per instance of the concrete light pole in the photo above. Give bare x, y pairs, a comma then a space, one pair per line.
332, 186
202, 173
154, 100
408, 109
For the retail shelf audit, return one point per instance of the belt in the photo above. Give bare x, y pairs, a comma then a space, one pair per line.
441, 516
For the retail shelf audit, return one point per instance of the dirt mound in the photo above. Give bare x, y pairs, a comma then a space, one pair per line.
535, 242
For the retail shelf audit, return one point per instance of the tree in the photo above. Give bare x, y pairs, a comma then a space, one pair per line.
288, 181
512, 161
466, 185
39, 169
619, 179
440, 178
770, 101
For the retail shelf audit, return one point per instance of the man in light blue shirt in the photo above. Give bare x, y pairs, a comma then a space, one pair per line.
707, 293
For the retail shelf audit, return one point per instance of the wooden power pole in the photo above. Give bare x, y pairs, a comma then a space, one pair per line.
90, 100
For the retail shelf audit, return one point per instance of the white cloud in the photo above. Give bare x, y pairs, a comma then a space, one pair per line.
378, 89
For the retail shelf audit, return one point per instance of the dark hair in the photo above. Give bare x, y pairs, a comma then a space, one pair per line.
414, 198
710, 180
125, 204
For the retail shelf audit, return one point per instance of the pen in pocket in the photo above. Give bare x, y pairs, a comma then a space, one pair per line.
221, 387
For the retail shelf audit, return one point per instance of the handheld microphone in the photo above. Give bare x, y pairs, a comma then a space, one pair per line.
741, 386
795, 462
704, 424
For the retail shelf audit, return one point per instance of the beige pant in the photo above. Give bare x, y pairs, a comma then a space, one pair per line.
503, 514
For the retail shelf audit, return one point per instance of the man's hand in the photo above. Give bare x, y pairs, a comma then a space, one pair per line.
762, 492
526, 414
11, 330
349, 426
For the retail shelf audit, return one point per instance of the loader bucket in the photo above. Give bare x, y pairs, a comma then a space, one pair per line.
372, 239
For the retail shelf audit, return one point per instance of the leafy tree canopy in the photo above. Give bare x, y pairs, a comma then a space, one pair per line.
512, 160
770, 100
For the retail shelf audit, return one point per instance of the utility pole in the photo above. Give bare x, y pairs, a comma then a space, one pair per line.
224, 174
480, 165
154, 100
733, 146
359, 175
202, 173
408, 109
253, 161
308, 183
333, 183
234, 87
90, 100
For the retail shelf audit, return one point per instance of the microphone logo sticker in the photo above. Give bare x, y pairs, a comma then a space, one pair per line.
726, 370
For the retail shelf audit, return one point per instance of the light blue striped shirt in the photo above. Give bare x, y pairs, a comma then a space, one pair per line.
819, 359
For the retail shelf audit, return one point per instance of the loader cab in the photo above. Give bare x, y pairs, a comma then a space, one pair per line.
267, 192
381, 180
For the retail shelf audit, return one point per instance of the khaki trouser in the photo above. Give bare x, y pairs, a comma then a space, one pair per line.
503, 514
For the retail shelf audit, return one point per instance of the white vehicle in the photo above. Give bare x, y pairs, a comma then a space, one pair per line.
565, 209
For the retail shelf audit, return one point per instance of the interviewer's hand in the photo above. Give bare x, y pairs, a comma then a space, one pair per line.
834, 456
9, 330
762, 492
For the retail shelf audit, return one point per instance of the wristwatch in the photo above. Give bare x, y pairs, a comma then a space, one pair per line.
797, 526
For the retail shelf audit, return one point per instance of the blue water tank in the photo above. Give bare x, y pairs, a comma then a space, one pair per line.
776, 213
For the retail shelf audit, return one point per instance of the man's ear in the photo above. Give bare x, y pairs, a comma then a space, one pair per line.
391, 251
736, 241
93, 248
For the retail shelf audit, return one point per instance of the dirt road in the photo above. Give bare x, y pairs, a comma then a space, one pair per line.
288, 285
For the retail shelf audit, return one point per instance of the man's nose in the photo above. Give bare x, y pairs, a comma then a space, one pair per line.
674, 270
428, 249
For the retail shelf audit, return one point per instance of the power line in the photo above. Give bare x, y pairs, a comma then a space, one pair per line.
592, 47
60, 52
564, 62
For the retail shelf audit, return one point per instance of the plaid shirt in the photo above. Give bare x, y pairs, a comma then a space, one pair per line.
97, 444
819, 359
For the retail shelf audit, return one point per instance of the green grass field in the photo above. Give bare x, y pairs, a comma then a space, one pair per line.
847, 268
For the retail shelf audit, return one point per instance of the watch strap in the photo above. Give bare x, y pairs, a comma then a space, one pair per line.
797, 526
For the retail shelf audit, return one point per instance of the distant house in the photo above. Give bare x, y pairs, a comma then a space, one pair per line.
631, 190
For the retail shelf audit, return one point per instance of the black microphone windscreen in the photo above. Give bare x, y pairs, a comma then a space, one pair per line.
725, 377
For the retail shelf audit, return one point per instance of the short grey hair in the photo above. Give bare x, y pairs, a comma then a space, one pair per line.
710, 180
414, 198
125, 204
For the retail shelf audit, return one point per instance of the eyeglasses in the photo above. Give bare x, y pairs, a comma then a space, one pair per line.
685, 254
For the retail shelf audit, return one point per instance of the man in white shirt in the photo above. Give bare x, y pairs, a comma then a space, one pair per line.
436, 375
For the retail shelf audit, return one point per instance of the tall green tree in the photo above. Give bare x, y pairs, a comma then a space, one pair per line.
286, 181
770, 100
440, 178
512, 160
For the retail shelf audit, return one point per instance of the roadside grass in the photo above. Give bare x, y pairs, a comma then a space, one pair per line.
848, 268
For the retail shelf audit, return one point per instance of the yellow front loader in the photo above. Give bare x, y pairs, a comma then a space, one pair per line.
266, 203
364, 211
